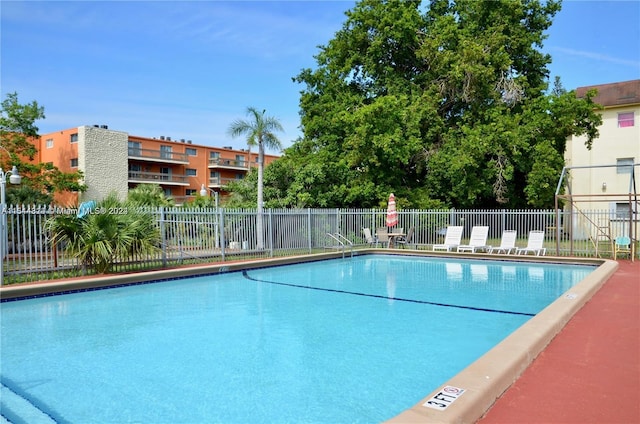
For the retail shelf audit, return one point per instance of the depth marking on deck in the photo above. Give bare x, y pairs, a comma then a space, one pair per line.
444, 398
248, 277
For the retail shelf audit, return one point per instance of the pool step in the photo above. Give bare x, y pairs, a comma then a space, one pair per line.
16, 409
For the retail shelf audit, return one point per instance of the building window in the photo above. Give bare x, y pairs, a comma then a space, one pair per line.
135, 148
624, 165
623, 211
625, 119
74, 162
74, 138
166, 174
166, 152
239, 176
192, 172
192, 192
190, 151
49, 143
214, 155
214, 177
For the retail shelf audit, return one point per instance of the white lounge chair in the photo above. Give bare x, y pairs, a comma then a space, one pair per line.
477, 241
534, 244
507, 243
451, 239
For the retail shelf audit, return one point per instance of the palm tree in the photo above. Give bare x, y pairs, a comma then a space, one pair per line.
112, 231
260, 131
148, 195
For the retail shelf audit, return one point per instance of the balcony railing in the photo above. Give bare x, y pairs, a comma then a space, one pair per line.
217, 182
158, 178
180, 200
228, 163
158, 155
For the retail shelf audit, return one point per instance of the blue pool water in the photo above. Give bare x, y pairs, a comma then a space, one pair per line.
354, 340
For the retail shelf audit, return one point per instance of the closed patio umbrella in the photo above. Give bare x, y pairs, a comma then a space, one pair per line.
392, 214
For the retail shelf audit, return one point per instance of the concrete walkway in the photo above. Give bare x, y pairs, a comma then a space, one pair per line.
590, 373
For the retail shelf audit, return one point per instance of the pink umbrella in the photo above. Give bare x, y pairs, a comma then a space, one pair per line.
392, 215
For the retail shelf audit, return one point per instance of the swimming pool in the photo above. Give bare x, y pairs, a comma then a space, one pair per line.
355, 340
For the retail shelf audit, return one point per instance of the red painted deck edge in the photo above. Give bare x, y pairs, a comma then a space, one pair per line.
590, 372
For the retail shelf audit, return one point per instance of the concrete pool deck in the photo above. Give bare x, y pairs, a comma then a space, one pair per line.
590, 373
583, 372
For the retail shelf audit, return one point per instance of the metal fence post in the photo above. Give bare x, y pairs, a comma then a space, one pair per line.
309, 230
163, 236
222, 232
271, 226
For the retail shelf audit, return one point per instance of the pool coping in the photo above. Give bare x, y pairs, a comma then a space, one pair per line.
483, 382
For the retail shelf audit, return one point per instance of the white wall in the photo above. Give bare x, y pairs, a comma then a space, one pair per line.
612, 144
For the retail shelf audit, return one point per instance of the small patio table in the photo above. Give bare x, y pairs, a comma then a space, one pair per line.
393, 237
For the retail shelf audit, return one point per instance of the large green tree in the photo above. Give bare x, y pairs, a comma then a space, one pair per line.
443, 103
40, 180
259, 130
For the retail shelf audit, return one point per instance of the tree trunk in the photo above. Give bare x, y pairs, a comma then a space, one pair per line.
259, 217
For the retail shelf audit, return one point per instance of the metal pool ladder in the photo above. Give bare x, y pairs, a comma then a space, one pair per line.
342, 242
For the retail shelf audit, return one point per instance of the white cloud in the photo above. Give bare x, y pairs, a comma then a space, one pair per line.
598, 57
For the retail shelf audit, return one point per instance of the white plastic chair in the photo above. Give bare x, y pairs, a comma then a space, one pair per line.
477, 241
451, 239
507, 243
534, 244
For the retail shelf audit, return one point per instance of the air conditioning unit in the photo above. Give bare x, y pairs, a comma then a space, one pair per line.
168, 138
161, 137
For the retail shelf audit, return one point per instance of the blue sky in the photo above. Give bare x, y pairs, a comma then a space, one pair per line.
188, 69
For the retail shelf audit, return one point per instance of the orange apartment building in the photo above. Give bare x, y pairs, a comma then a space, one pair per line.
115, 161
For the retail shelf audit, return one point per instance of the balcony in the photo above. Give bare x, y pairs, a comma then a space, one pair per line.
162, 156
218, 182
181, 200
228, 164
158, 178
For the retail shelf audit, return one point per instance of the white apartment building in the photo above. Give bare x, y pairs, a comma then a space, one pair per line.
600, 178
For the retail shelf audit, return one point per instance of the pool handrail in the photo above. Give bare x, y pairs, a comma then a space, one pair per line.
341, 241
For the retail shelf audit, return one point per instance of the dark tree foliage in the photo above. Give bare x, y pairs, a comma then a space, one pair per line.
444, 103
